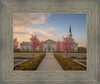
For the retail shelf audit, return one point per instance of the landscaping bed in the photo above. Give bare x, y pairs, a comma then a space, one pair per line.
20, 57
31, 64
68, 64
77, 58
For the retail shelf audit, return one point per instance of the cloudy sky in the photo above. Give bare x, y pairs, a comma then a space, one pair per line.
49, 26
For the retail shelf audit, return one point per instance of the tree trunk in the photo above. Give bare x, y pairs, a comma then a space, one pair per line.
32, 53
66, 55
40, 52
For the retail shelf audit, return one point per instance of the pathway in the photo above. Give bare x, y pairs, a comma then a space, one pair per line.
49, 63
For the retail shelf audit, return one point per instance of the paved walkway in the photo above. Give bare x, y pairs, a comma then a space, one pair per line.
49, 63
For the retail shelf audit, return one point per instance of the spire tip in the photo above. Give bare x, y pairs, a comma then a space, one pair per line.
70, 23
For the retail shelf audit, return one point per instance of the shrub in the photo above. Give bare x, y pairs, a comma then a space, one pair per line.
31, 64
68, 64
71, 63
77, 68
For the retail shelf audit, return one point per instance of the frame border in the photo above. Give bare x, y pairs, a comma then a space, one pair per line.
7, 11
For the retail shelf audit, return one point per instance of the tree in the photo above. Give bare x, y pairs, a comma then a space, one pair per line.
41, 46
67, 45
58, 46
15, 44
34, 43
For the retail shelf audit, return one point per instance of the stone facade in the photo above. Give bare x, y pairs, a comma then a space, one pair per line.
25, 46
49, 45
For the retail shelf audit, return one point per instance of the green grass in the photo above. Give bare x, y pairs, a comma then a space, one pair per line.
84, 57
58, 52
22, 51
78, 52
70, 52
31, 64
45, 52
73, 57
20, 58
68, 64
29, 52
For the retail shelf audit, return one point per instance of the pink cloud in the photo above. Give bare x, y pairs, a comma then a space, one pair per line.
23, 33
22, 19
43, 34
81, 43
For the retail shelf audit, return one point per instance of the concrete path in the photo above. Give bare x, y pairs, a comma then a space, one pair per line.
49, 63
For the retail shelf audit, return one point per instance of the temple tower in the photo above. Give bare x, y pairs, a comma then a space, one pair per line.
70, 32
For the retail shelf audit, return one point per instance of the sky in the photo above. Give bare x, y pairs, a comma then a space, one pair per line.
52, 26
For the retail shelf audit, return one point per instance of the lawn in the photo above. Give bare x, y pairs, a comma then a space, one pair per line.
20, 58
68, 64
29, 52
31, 64
45, 52
70, 52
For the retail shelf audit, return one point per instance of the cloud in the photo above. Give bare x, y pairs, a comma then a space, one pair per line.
24, 34
22, 31
47, 31
81, 43
42, 33
23, 19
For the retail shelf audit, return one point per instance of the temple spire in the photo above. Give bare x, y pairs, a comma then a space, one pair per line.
70, 23
70, 32
70, 27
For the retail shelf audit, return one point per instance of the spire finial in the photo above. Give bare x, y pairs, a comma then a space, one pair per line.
70, 23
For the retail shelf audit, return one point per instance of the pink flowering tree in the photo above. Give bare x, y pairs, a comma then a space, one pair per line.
67, 45
41, 46
34, 43
15, 44
58, 46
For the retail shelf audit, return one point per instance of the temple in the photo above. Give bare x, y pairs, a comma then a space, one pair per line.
49, 45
